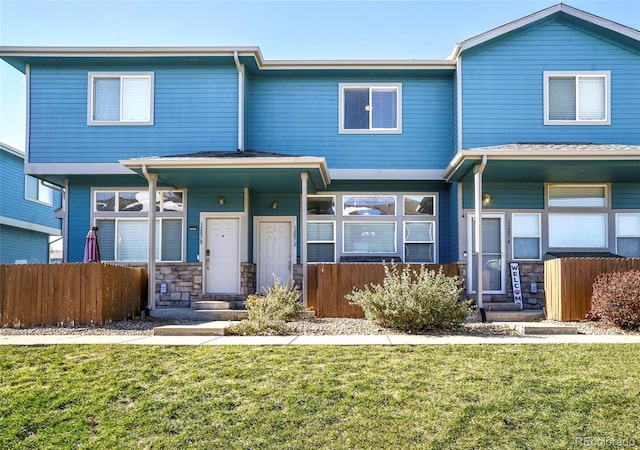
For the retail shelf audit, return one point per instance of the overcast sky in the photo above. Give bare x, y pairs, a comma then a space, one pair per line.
418, 29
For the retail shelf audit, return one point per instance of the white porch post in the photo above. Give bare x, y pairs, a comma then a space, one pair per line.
477, 180
152, 178
304, 177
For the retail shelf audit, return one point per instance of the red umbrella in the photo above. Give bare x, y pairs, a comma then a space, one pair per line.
91, 251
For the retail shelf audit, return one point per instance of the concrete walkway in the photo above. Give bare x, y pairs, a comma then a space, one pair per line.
316, 340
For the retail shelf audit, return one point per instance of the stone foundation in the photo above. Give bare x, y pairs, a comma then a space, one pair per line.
183, 284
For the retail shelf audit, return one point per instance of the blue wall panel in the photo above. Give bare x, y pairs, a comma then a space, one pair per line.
507, 195
625, 196
195, 110
13, 203
299, 116
503, 87
20, 244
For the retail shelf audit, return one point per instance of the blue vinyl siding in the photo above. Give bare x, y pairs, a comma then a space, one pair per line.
196, 109
299, 116
13, 203
503, 87
20, 244
507, 195
625, 196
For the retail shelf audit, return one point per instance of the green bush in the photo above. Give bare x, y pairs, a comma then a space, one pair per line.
616, 298
413, 301
267, 314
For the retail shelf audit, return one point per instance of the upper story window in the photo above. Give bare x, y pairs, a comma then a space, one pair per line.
370, 108
577, 196
577, 98
36, 191
120, 98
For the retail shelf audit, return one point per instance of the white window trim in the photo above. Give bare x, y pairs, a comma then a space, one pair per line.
538, 236
577, 214
139, 215
334, 241
580, 74
90, 89
370, 86
41, 185
432, 241
335, 207
618, 235
395, 236
607, 195
395, 204
435, 206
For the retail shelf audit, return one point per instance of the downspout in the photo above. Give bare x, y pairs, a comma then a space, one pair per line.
240, 68
304, 176
152, 178
477, 178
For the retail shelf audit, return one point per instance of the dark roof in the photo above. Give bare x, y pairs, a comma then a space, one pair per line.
231, 154
583, 255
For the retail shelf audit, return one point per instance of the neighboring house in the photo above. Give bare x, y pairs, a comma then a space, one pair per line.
262, 167
27, 212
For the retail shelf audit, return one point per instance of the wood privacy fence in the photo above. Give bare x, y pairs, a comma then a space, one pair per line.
568, 283
80, 294
329, 283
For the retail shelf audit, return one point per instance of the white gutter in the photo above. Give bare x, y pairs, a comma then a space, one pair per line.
152, 178
459, 102
240, 68
477, 175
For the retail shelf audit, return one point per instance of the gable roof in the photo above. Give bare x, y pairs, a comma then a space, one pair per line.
558, 9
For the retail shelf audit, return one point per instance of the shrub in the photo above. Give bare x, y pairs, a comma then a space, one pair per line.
267, 314
616, 298
413, 301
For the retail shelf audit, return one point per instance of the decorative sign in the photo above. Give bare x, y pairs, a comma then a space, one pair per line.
515, 283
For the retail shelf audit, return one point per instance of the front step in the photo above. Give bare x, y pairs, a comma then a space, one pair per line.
525, 315
215, 328
221, 314
218, 304
501, 306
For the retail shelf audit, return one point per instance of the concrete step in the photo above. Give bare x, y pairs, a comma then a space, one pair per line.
525, 315
545, 329
501, 306
215, 328
221, 314
218, 304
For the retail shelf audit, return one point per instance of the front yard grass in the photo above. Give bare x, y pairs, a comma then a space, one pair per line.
458, 397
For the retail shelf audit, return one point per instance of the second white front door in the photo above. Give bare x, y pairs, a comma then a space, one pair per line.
275, 252
222, 258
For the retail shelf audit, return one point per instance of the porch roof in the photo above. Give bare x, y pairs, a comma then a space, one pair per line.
549, 162
258, 171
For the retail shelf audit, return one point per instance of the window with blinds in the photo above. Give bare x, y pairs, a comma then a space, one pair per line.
118, 98
370, 108
576, 98
576, 196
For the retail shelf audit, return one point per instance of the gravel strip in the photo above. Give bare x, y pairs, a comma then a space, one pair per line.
306, 327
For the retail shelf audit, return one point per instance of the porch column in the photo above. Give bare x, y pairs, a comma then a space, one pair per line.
477, 181
152, 178
304, 176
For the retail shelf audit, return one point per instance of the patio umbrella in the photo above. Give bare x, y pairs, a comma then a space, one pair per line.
91, 251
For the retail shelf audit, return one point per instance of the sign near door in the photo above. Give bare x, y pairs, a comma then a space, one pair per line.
515, 283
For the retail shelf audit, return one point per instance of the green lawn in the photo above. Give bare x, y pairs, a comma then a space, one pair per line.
475, 397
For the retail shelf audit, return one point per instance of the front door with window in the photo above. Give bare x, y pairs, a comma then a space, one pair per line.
493, 260
275, 252
222, 256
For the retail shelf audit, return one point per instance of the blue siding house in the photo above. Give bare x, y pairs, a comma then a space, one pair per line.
259, 168
27, 212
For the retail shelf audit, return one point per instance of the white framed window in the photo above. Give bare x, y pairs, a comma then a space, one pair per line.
577, 230
369, 205
321, 241
628, 235
36, 191
577, 196
577, 98
321, 205
419, 242
120, 98
123, 231
526, 239
370, 108
369, 237
417, 205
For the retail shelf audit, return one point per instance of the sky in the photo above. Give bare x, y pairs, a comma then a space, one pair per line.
330, 29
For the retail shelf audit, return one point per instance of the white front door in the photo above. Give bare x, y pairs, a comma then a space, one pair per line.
222, 256
275, 252
493, 257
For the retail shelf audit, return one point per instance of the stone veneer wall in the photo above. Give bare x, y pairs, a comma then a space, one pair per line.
529, 272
